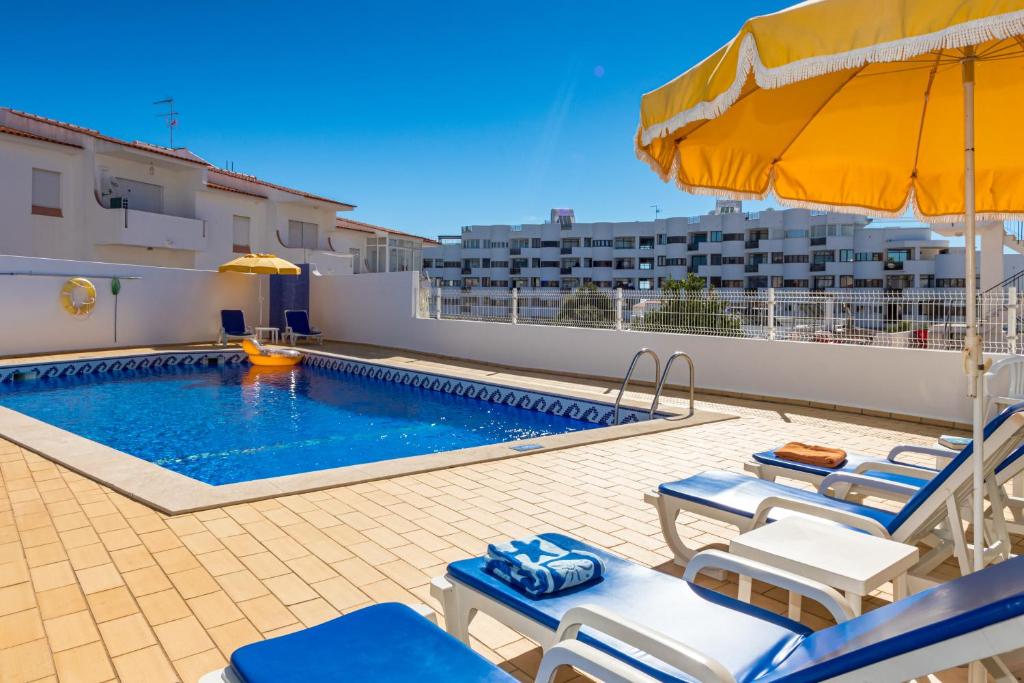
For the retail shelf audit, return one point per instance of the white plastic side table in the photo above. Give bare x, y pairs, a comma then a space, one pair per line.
271, 333
850, 561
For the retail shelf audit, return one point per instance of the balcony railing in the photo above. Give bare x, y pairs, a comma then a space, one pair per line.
515, 251
818, 241
515, 270
751, 267
131, 227
818, 267
565, 271
894, 265
566, 250
752, 244
693, 246
466, 271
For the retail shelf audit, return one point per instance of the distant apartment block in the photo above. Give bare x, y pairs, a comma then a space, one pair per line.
70, 192
727, 247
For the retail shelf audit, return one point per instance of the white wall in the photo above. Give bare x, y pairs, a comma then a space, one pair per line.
379, 308
165, 306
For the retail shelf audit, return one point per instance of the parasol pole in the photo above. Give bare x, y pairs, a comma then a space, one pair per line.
975, 361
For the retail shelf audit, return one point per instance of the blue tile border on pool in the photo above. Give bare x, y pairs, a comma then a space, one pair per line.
554, 404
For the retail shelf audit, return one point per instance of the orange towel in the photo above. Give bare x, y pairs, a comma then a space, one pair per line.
812, 455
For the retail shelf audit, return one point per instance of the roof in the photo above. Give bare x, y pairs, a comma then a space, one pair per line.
360, 226
225, 188
35, 136
180, 153
258, 181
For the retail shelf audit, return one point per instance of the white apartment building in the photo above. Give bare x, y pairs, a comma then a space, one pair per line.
727, 247
70, 192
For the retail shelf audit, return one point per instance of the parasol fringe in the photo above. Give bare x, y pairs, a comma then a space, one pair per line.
967, 33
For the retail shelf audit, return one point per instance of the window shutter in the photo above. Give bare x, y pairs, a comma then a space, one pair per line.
45, 188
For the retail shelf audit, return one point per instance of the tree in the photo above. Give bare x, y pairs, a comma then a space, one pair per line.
686, 307
587, 306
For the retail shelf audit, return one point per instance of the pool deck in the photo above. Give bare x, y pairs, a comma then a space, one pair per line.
95, 586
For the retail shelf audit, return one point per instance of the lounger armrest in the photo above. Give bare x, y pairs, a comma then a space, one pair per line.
923, 450
828, 597
664, 648
874, 485
770, 503
590, 661
895, 468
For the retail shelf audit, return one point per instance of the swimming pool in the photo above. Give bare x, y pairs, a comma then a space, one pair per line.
229, 423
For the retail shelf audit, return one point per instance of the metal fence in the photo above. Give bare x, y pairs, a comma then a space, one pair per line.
924, 318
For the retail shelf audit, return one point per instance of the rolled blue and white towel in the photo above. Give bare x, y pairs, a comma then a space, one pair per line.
539, 567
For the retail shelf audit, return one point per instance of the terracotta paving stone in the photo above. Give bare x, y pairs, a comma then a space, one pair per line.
94, 586
86, 663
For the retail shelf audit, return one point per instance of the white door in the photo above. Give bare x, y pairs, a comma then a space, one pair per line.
142, 196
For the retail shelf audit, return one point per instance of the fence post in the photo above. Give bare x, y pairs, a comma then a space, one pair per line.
618, 308
437, 302
515, 305
771, 313
1011, 318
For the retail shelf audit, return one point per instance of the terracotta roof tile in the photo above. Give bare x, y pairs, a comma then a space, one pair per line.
360, 226
35, 136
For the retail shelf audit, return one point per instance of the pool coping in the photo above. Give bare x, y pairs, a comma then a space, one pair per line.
173, 493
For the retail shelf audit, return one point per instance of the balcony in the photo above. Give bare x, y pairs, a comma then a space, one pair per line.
894, 265
693, 246
818, 267
466, 271
565, 271
515, 251
818, 241
751, 267
134, 228
752, 244
515, 270
566, 250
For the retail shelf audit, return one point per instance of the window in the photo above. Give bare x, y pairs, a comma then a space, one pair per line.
845, 256
602, 243
716, 236
868, 256
796, 258
647, 243
644, 283
824, 282
732, 237
46, 193
661, 260
661, 238
819, 230
646, 264
565, 221
624, 242
846, 281
699, 260
716, 259
898, 255
470, 244
778, 257
777, 281
823, 257
675, 261
303, 235
792, 234
732, 260
927, 281
240, 235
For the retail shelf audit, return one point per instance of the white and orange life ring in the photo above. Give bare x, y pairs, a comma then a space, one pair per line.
78, 297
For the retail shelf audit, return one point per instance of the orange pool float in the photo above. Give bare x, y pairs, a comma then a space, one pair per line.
261, 355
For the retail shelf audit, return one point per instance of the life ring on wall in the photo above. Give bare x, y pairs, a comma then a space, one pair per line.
78, 297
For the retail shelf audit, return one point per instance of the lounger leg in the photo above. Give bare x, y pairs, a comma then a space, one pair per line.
997, 670
457, 617
667, 516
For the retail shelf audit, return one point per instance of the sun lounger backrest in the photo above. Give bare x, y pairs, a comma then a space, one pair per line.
233, 322
298, 320
1003, 435
949, 610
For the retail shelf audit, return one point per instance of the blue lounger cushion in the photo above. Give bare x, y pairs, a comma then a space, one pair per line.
853, 460
233, 322
298, 320
946, 611
741, 495
383, 643
745, 638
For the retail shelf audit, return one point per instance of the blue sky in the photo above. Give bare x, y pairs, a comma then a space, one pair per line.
428, 116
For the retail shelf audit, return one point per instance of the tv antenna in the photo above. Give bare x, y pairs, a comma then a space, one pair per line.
169, 117
657, 210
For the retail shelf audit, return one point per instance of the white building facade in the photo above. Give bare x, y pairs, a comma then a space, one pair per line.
70, 192
729, 248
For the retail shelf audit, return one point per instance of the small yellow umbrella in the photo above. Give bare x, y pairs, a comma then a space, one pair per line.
872, 106
260, 264
264, 264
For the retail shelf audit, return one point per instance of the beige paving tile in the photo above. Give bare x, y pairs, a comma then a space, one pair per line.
111, 604
267, 613
52, 576
230, 637
20, 627
192, 667
29, 661
17, 598
145, 666
85, 664
163, 606
60, 601
127, 634
183, 637
71, 630
214, 609
101, 578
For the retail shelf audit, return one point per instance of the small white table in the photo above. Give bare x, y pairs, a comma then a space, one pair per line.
852, 562
271, 333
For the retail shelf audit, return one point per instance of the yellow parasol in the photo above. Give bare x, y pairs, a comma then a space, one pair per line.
260, 264
872, 106
264, 264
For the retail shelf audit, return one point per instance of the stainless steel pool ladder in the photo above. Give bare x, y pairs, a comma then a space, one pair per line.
659, 387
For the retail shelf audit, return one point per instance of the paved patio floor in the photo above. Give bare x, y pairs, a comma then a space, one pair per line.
96, 587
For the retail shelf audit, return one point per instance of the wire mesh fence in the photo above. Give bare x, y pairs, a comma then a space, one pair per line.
924, 318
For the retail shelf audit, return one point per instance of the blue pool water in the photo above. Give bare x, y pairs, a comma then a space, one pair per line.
231, 423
